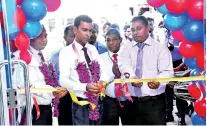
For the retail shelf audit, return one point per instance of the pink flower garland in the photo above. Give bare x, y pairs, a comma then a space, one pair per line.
51, 79
85, 77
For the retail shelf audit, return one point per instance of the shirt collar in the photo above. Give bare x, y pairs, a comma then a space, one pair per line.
148, 41
33, 51
79, 46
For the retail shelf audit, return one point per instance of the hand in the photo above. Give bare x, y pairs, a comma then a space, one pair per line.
61, 92
137, 84
153, 84
93, 88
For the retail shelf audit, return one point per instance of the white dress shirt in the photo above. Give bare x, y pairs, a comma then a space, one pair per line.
107, 57
68, 61
157, 63
36, 79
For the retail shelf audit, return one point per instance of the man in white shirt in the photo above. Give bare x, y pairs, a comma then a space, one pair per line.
37, 80
146, 58
76, 72
113, 109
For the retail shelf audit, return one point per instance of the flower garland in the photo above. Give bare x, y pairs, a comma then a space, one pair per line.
87, 76
51, 79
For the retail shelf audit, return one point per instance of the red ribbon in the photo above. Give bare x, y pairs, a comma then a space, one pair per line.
118, 89
127, 94
37, 107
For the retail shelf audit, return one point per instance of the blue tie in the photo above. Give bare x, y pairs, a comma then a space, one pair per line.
139, 66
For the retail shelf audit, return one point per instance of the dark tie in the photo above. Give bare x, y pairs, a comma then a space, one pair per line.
41, 56
88, 60
115, 68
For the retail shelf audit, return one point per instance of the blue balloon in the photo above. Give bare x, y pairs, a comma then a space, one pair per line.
191, 63
195, 73
13, 31
197, 120
35, 10
174, 21
33, 29
162, 9
193, 31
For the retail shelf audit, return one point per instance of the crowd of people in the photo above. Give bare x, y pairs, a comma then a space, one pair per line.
140, 53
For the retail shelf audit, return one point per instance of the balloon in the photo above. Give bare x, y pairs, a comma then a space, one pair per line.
177, 6
197, 120
1, 19
19, 18
191, 63
195, 9
193, 31
200, 108
13, 31
35, 10
195, 73
190, 50
177, 35
162, 9
52, 6
18, 2
194, 91
156, 3
200, 60
22, 41
175, 22
25, 55
33, 29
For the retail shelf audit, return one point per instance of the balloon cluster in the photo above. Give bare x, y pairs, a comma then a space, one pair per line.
23, 18
184, 18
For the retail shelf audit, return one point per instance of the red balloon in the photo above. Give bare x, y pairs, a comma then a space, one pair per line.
156, 3
190, 50
200, 60
195, 9
194, 91
52, 5
177, 6
25, 55
178, 35
20, 18
22, 41
18, 2
2, 19
200, 108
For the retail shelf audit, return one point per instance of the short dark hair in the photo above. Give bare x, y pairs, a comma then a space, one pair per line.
113, 31
96, 27
116, 26
67, 29
140, 18
106, 24
126, 27
83, 18
150, 19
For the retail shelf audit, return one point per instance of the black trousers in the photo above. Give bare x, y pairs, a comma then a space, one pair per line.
80, 114
112, 112
65, 112
45, 115
150, 110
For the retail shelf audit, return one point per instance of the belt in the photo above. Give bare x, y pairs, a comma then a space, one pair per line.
108, 97
146, 98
